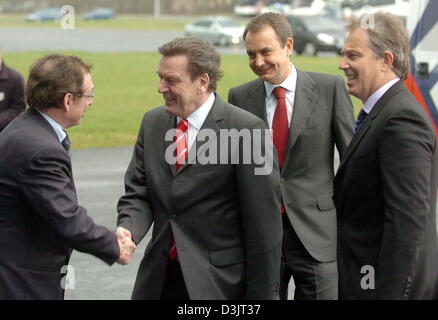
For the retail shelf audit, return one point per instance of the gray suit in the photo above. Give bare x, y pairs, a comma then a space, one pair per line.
322, 117
224, 218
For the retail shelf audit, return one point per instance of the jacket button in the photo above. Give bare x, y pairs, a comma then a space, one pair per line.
339, 224
282, 180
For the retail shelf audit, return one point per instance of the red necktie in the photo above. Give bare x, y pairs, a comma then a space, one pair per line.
181, 155
280, 128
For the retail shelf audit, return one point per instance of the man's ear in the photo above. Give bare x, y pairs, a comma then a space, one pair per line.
290, 46
204, 81
66, 101
388, 60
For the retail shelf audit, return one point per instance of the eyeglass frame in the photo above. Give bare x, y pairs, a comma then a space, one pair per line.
92, 95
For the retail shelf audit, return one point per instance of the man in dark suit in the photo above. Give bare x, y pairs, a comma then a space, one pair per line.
217, 231
11, 94
317, 114
40, 219
385, 187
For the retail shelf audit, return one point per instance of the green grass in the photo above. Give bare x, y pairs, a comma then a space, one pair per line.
133, 22
126, 87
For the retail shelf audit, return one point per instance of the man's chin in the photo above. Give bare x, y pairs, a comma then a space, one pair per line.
169, 109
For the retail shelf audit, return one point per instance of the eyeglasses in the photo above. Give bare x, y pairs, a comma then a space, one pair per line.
84, 95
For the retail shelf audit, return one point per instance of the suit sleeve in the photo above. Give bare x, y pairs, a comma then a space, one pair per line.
406, 154
135, 213
47, 186
259, 196
343, 118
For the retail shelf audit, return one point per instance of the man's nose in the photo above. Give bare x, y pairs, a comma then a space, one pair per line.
342, 64
162, 87
259, 61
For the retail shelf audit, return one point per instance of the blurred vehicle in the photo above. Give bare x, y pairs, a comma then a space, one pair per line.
222, 31
307, 7
100, 14
10, 6
397, 7
46, 14
278, 6
248, 8
313, 34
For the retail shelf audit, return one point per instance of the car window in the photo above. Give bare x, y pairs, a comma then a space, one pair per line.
228, 23
316, 24
203, 23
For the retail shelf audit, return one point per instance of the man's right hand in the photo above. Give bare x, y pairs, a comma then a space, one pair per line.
127, 246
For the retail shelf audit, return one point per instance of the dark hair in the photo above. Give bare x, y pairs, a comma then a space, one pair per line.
51, 77
387, 34
276, 21
202, 57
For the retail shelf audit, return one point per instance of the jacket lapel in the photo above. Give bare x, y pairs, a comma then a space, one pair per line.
170, 124
256, 100
211, 122
304, 104
368, 121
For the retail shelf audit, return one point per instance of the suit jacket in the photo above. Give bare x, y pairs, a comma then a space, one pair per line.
385, 194
40, 219
322, 117
224, 218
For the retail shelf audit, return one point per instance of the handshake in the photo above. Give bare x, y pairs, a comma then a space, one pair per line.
127, 246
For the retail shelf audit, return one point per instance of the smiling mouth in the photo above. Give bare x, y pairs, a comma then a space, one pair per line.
350, 77
263, 70
168, 98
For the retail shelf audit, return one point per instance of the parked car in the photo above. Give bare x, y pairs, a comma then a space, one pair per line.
100, 14
222, 31
248, 8
46, 14
313, 34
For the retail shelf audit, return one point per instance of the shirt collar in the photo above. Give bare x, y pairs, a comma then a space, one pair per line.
56, 126
372, 100
197, 118
289, 83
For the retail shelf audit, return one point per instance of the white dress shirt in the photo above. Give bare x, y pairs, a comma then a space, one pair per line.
290, 84
196, 120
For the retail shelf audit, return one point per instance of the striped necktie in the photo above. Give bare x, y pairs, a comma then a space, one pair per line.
180, 141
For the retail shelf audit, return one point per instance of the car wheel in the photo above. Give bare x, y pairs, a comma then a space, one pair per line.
310, 49
223, 42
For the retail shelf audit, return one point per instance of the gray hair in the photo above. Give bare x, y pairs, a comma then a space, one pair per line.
388, 34
202, 57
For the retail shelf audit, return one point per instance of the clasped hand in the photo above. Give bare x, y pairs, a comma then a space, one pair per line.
127, 246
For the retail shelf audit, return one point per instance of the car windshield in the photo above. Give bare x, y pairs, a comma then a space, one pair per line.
316, 24
228, 23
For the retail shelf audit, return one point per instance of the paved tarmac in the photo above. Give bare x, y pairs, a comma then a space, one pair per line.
98, 177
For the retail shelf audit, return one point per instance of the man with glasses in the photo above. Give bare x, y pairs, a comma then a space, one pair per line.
40, 219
